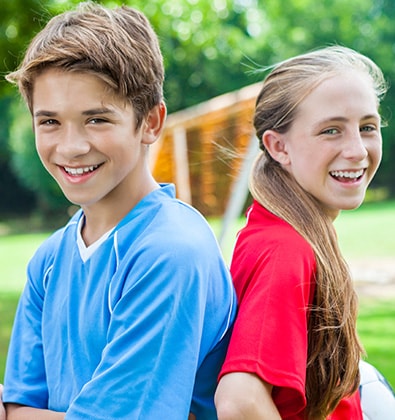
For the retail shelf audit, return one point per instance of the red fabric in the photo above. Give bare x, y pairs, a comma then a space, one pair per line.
273, 270
348, 409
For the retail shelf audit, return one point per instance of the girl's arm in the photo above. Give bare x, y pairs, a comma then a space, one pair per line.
244, 396
21, 412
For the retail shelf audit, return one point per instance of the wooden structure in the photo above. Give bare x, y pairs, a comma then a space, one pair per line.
202, 149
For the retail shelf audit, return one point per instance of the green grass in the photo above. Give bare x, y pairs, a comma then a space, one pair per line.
376, 328
368, 231
363, 233
15, 252
8, 302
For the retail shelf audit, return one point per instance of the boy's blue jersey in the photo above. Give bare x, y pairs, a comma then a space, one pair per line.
137, 331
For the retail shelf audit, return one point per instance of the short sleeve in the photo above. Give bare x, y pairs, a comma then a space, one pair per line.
273, 271
25, 377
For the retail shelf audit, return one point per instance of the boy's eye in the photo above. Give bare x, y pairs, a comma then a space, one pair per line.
49, 122
330, 131
97, 121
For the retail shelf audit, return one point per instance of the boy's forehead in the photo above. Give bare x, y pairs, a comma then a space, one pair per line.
58, 87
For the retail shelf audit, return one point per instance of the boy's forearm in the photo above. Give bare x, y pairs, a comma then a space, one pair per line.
21, 412
2, 408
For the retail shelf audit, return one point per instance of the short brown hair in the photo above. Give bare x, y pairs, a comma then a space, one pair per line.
117, 45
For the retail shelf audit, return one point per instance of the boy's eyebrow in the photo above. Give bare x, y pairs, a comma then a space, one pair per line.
45, 114
97, 111
89, 112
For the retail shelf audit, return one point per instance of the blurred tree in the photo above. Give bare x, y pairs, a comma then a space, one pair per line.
19, 20
216, 46
14, 197
27, 164
16, 28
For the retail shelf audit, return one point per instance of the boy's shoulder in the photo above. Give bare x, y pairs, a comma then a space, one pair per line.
50, 247
161, 222
162, 211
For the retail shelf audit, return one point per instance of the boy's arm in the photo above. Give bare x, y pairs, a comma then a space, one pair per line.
21, 412
2, 409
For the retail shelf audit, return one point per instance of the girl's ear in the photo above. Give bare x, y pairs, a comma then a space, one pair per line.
153, 124
274, 143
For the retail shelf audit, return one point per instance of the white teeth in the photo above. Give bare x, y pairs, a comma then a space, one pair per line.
80, 171
347, 174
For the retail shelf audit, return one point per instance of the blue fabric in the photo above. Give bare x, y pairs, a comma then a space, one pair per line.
138, 331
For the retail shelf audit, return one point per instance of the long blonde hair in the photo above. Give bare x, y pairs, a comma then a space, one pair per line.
334, 349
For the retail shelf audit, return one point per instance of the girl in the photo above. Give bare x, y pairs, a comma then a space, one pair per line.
294, 351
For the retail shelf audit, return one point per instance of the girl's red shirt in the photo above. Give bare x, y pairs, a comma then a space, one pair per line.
273, 269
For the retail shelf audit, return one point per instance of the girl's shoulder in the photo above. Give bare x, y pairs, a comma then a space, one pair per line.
265, 232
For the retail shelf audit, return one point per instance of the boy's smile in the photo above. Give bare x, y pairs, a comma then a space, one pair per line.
81, 171
87, 139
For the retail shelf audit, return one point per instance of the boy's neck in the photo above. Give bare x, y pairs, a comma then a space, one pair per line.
104, 216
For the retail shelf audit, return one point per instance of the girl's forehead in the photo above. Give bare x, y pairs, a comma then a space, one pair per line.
346, 94
342, 83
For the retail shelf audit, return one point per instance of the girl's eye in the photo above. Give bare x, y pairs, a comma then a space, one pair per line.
368, 128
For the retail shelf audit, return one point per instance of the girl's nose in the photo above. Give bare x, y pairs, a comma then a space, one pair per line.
355, 148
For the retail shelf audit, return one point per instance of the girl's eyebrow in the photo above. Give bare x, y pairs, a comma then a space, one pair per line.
371, 116
344, 119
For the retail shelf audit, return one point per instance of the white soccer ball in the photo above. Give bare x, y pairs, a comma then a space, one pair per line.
377, 396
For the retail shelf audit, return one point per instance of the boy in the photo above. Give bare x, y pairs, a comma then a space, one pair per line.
127, 309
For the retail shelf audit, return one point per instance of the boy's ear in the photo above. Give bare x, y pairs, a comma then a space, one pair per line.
274, 143
153, 124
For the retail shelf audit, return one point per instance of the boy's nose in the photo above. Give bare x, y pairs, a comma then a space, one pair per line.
73, 143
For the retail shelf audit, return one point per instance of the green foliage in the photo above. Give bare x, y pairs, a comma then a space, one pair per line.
19, 21
14, 198
27, 164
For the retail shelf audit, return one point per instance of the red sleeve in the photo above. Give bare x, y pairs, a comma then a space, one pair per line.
273, 270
